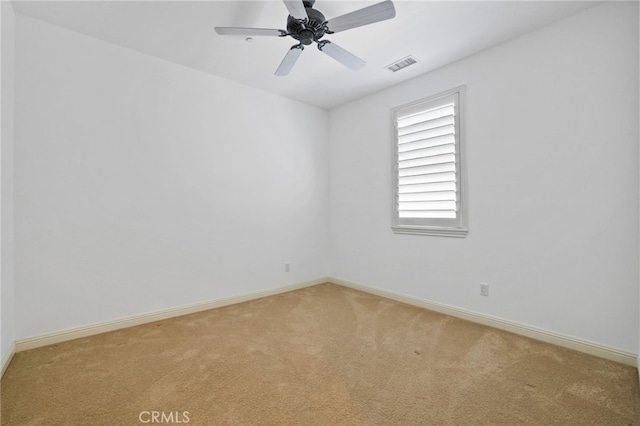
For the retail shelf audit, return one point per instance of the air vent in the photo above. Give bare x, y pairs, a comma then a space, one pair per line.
402, 63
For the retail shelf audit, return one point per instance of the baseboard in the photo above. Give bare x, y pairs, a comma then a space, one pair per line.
93, 329
6, 359
584, 346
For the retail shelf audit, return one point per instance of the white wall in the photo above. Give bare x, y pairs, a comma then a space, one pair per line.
142, 185
551, 148
7, 314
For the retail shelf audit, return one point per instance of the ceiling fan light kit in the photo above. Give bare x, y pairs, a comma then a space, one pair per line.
308, 25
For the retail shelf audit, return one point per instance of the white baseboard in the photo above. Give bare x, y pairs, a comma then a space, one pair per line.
92, 329
6, 359
591, 348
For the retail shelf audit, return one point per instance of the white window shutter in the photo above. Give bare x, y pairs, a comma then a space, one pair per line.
427, 186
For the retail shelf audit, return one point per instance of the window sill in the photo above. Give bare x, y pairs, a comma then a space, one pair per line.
433, 231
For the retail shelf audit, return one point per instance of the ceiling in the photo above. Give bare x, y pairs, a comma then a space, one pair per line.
436, 33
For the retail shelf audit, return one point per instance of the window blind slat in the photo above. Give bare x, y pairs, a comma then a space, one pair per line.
420, 154
427, 205
435, 151
426, 144
422, 170
435, 214
427, 134
417, 162
434, 177
418, 114
427, 187
438, 140
428, 196
424, 125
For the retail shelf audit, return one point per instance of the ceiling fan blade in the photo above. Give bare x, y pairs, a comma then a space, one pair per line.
250, 31
296, 8
346, 58
367, 15
289, 60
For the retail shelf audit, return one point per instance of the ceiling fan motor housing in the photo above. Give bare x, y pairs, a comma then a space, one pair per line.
307, 30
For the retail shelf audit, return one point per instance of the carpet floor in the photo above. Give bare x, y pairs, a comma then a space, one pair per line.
323, 355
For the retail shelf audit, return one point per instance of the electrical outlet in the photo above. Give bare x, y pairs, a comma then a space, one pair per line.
484, 289
287, 267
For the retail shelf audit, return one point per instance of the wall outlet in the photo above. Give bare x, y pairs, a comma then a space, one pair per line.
484, 289
287, 267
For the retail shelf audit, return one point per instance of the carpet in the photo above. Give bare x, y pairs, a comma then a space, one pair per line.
323, 355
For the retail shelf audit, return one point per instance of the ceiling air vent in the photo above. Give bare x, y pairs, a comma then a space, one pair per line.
402, 63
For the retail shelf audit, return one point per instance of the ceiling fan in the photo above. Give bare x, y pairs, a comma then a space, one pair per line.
308, 25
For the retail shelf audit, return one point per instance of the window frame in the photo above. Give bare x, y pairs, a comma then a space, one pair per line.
435, 227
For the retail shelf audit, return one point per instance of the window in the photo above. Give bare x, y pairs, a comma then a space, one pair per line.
427, 185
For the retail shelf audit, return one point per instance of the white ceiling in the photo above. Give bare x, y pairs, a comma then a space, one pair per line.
434, 32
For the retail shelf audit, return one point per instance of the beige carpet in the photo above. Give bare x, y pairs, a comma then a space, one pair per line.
324, 355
